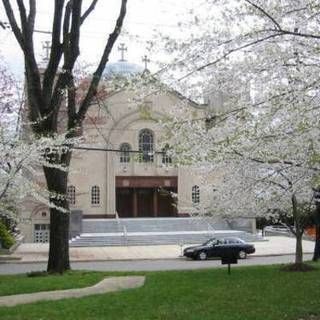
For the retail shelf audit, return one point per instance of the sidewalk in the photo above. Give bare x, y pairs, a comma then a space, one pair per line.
106, 285
35, 252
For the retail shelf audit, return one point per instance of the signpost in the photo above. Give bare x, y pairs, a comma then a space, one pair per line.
230, 257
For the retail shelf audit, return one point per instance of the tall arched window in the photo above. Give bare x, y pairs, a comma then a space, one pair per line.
166, 159
146, 142
195, 194
125, 149
95, 195
71, 194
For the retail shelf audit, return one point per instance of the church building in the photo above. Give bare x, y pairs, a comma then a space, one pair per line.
123, 169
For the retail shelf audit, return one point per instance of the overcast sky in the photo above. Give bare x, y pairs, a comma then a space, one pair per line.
144, 17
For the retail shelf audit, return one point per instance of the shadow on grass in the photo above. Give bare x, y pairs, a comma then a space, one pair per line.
298, 267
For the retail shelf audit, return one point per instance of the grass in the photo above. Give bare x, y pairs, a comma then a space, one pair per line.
249, 293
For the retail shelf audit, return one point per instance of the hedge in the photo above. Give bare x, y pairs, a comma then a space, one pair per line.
5, 237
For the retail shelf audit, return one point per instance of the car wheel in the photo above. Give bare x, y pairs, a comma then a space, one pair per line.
242, 254
202, 255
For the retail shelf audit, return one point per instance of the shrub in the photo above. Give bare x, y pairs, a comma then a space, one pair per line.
5, 237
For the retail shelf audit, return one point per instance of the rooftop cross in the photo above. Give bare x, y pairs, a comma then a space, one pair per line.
146, 60
46, 46
122, 48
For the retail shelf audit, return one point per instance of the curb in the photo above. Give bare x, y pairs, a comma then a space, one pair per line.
18, 260
9, 258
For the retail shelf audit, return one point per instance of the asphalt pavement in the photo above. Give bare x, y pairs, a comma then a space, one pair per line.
38, 252
148, 265
33, 257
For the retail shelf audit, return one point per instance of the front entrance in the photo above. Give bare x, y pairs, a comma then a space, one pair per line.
138, 197
145, 202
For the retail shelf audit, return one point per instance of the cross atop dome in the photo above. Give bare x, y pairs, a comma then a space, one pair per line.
122, 48
122, 68
47, 47
146, 60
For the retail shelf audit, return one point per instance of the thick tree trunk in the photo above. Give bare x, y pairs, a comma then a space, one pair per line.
299, 252
59, 242
316, 253
59, 221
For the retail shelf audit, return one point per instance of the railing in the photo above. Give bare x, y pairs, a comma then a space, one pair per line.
154, 160
210, 228
123, 228
125, 236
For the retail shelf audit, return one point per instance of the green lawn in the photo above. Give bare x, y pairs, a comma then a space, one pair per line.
250, 293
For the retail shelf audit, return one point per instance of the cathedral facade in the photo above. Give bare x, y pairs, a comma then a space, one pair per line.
122, 169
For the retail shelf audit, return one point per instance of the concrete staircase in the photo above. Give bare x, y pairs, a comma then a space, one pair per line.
152, 231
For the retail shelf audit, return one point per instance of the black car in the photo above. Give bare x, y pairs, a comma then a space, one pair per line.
219, 248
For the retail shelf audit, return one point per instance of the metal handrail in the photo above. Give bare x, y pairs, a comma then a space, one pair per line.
125, 232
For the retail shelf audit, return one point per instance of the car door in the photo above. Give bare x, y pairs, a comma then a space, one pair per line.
227, 248
212, 249
218, 248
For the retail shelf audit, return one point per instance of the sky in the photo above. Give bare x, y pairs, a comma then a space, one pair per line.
144, 19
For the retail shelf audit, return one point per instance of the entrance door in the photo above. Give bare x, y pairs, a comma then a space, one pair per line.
124, 202
145, 202
166, 204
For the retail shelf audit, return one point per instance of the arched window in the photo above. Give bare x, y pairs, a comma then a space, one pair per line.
146, 145
125, 149
71, 194
95, 195
195, 194
166, 159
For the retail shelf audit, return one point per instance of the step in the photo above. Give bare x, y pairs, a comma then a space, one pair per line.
150, 225
132, 239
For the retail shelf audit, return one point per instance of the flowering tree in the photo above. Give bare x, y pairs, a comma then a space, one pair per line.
9, 168
19, 158
45, 99
19, 163
258, 63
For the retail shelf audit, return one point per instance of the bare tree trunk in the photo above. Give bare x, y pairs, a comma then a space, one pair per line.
59, 242
298, 230
299, 252
59, 221
316, 253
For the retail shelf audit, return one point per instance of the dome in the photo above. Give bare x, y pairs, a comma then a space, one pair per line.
121, 68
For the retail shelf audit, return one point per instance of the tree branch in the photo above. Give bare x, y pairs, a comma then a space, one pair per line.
56, 51
277, 184
88, 11
71, 52
23, 18
264, 13
228, 53
25, 41
75, 30
275, 161
66, 22
71, 107
13, 23
12, 175
104, 59
32, 14
298, 34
